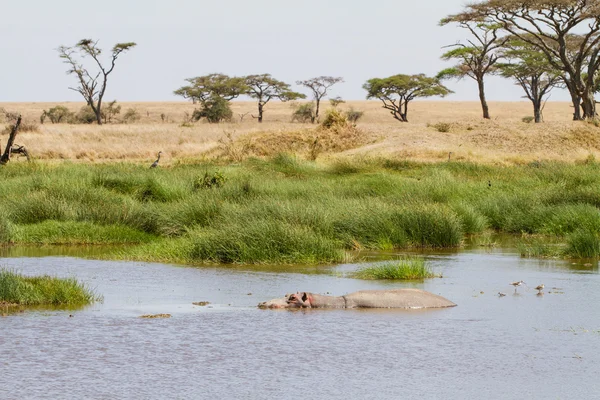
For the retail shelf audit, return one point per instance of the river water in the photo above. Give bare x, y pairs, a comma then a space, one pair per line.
489, 347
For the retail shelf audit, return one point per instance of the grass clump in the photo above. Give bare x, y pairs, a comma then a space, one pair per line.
408, 268
583, 244
442, 127
264, 241
43, 290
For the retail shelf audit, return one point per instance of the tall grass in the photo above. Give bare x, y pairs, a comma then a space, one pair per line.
286, 210
408, 268
43, 290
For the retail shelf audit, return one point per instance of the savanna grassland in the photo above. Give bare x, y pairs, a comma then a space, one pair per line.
282, 192
504, 139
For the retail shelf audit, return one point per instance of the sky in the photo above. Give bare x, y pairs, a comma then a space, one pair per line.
178, 39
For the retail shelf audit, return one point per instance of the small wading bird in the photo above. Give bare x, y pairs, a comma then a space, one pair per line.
500, 294
540, 288
517, 284
155, 163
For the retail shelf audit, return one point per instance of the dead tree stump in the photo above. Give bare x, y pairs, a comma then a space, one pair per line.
11, 140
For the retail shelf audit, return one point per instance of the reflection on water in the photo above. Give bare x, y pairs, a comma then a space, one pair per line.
517, 346
61, 251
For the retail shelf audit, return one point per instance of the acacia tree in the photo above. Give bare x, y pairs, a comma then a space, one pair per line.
531, 70
565, 31
319, 87
92, 84
213, 92
397, 91
263, 88
475, 59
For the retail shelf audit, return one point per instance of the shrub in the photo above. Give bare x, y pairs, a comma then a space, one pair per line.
336, 101
110, 110
215, 110
59, 114
85, 115
334, 118
209, 181
353, 115
442, 127
304, 113
529, 119
131, 115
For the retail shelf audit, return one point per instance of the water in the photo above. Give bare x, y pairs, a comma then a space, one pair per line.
488, 347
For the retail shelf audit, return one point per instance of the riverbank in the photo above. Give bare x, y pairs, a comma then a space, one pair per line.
285, 210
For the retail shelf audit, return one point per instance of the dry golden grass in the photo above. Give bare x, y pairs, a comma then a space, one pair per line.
504, 139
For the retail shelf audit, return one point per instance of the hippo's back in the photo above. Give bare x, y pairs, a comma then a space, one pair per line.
396, 298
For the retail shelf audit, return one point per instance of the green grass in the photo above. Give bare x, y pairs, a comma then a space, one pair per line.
43, 290
409, 268
286, 210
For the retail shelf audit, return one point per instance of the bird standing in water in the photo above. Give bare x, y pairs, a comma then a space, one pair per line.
540, 288
517, 284
155, 163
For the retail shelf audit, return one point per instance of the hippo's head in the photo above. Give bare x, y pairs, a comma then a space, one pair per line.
294, 300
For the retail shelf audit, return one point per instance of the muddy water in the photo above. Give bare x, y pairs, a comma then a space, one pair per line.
518, 346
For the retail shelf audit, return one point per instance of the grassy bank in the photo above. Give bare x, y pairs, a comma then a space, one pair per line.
285, 210
17, 289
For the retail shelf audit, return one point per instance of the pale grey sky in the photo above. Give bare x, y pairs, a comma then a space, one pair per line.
178, 39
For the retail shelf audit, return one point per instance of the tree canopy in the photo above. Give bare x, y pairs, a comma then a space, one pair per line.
203, 88
565, 31
264, 88
477, 57
398, 90
92, 84
319, 87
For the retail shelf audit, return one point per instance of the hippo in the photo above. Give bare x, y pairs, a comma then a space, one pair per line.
392, 298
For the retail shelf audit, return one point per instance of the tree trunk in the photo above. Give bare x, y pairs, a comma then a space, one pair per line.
576, 107
484, 105
98, 116
316, 118
589, 106
575, 99
537, 111
11, 140
260, 112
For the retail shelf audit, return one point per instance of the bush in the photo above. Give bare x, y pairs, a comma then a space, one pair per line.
110, 111
304, 113
85, 116
336, 101
353, 115
528, 119
215, 110
59, 114
131, 115
442, 127
334, 118
209, 181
